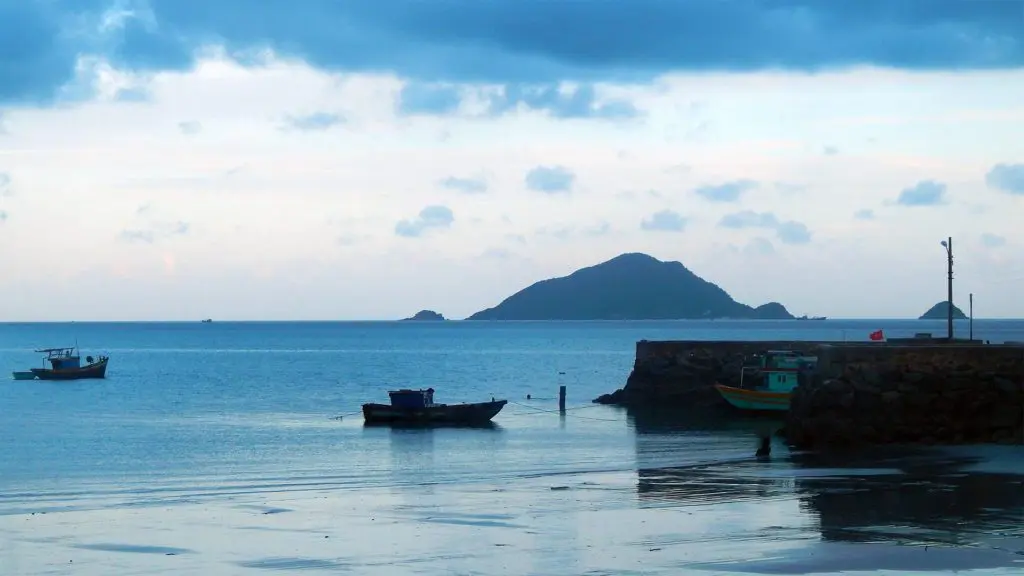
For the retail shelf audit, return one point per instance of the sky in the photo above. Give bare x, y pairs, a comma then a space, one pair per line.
311, 159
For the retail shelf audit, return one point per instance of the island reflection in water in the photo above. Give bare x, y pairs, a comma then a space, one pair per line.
968, 501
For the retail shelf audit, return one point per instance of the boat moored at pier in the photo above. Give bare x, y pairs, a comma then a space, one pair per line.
770, 385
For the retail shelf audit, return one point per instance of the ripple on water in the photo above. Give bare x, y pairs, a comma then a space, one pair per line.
290, 564
832, 557
134, 549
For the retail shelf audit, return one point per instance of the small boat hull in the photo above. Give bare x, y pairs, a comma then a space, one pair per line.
89, 371
466, 414
24, 376
755, 400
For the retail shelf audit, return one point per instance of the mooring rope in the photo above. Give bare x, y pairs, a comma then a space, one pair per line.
580, 407
340, 416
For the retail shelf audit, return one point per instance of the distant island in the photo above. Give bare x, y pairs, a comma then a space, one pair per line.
425, 315
631, 286
941, 312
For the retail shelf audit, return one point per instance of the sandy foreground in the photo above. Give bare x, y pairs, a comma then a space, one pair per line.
744, 518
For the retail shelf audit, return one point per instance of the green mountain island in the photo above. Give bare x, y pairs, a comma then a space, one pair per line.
628, 287
425, 316
941, 312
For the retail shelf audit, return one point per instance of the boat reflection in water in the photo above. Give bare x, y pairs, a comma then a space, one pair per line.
706, 460
931, 496
966, 504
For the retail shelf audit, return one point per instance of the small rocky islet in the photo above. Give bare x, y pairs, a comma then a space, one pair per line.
941, 312
425, 316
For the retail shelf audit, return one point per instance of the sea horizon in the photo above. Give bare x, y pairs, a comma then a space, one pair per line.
957, 321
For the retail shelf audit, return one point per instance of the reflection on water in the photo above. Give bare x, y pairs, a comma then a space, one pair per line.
911, 496
932, 498
710, 484
664, 440
433, 426
653, 420
428, 455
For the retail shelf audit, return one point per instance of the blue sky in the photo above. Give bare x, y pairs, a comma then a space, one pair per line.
177, 159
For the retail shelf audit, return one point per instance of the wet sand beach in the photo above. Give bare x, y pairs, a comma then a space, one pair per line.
916, 511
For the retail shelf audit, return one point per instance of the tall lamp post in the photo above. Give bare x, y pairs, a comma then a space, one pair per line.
948, 245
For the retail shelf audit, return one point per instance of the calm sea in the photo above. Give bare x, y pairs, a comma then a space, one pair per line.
192, 412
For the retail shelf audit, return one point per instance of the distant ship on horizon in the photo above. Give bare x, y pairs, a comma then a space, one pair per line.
806, 317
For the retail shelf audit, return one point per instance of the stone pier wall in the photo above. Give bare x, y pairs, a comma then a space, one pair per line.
862, 393
681, 374
931, 395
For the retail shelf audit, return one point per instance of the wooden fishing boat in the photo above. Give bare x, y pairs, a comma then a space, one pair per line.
754, 400
780, 372
418, 407
66, 364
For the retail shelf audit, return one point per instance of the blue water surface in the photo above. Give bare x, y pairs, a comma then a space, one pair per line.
190, 410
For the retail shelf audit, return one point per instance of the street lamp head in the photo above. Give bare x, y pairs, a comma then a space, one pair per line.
945, 244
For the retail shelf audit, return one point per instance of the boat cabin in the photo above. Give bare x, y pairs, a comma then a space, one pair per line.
787, 360
413, 399
782, 370
62, 358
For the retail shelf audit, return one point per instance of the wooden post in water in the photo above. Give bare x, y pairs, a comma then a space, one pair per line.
561, 399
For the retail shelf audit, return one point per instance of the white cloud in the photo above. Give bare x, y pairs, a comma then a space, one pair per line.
990, 240
306, 219
664, 221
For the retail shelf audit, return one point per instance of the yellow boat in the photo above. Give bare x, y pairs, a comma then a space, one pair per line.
754, 400
781, 370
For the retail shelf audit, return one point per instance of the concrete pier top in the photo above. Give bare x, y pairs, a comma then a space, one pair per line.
832, 356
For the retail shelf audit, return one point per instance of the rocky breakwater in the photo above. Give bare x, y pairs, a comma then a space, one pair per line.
682, 374
934, 395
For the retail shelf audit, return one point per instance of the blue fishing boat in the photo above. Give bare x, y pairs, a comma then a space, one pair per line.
770, 385
66, 364
418, 407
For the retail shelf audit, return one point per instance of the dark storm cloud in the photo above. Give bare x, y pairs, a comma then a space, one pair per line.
507, 41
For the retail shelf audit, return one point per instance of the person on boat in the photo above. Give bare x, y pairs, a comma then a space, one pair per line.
430, 396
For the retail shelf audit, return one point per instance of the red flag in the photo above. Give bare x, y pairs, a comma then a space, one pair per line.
877, 335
